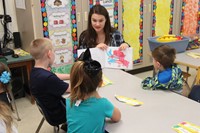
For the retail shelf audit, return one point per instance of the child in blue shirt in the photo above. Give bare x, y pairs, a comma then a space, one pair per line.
86, 109
168, 76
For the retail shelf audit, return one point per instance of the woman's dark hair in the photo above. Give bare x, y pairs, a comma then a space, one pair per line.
165, 55
90, 34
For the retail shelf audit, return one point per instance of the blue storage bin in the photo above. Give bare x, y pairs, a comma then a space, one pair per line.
179, 45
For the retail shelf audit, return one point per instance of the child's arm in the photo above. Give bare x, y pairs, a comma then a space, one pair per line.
68, 89
148, 83
63, 76
116, 115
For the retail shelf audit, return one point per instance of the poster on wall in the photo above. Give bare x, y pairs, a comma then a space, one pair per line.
162, 17
133, 27
190, 18
57, 25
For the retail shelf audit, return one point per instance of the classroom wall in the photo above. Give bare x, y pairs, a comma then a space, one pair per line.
10, 10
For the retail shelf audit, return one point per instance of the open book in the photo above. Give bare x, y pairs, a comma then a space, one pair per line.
112, 57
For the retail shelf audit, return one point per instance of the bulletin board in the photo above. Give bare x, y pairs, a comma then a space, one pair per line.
162, 17
112, 8
59, 24
190, 19
133, 27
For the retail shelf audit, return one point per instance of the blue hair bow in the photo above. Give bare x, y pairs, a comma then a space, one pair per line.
5, 77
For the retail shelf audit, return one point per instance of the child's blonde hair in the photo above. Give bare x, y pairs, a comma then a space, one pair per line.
39, 47
84, 80
6, 116
165, 55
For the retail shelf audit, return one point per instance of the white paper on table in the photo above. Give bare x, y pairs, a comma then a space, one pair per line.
112, 57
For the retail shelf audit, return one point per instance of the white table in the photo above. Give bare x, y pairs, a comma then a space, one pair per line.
161, 109
188, 61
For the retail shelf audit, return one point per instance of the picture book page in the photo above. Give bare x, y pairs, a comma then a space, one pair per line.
122, 59
112, 57
97, 54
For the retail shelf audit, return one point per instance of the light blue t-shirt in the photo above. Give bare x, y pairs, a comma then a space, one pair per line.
89, 116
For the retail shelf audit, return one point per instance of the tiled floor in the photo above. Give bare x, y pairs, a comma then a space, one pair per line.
30, 115
30, 118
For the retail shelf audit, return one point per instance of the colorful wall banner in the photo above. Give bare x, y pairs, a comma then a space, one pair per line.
162, 17
190, 19
133, 27
59, 24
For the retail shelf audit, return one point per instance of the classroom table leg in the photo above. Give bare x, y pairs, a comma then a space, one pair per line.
197, 81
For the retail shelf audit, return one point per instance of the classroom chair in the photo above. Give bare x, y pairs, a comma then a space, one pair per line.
186, 75
46, 117
3, 60
195, 93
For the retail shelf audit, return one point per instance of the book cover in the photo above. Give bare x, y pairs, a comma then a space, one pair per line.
112, 57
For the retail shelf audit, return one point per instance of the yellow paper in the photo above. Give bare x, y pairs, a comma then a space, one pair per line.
21, 52
128, 100
190, 127
193, 54
106, 81
186, 127
180, 129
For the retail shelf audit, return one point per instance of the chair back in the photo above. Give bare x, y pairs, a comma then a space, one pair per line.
195, 93
44, 112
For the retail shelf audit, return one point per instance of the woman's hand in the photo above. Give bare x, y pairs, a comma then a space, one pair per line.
123, 46
102, 46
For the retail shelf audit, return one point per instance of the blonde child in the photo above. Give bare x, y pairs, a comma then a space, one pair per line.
86, 109
168, 76
6, 120
46, 86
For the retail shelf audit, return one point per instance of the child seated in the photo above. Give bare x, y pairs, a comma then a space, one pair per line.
86, 109
168, 76
46, 86
6, 120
